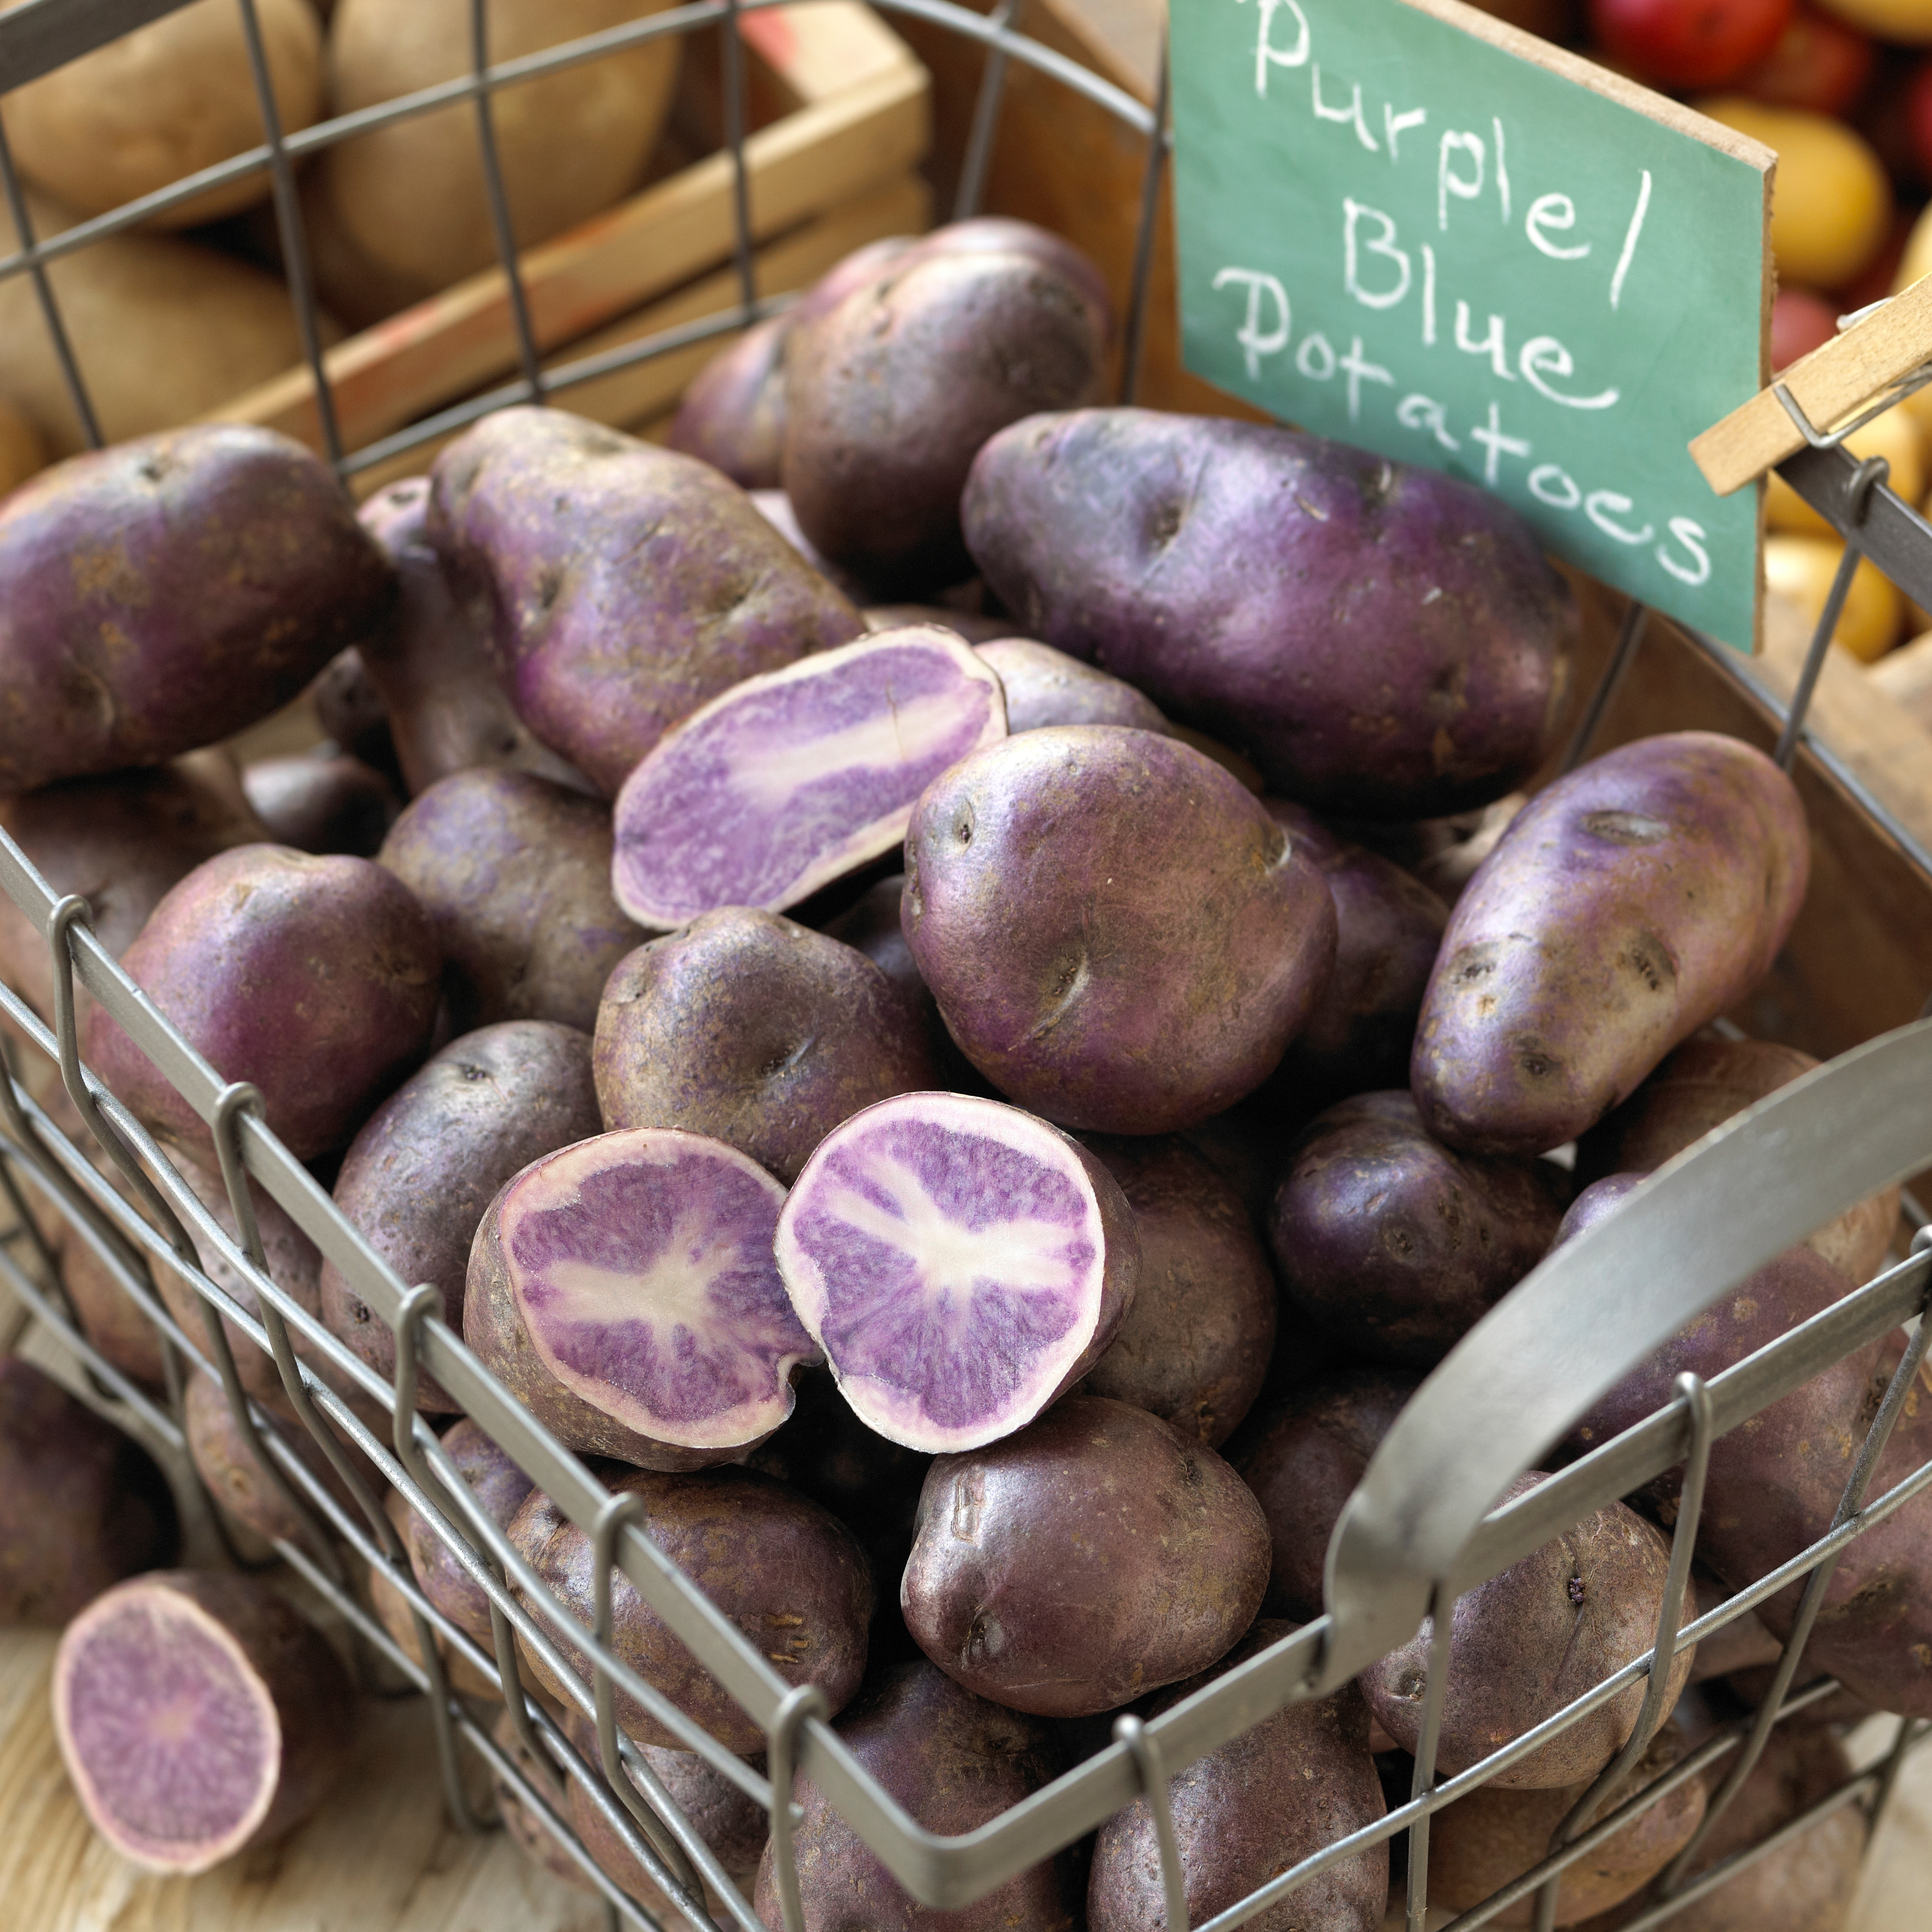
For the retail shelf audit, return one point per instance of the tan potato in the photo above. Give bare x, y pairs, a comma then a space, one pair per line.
410, 197
165, 101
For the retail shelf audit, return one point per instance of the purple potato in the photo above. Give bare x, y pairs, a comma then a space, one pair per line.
235, 1477
416, 1179
166, 592
624, 1290
1626, 906
499, 1488
316, 979
733, 415
871, 925
759, 1032
1397, 1245
1096, 1556
1194, 1344
797, 778
322, 805
1045, 686
350, 709
1380, 641
198, 1716
514, 869
960, 1264
627, 585
1118, 935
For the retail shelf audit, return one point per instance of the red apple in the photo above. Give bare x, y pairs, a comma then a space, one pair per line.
1800, 323
1817, 62
1689, 42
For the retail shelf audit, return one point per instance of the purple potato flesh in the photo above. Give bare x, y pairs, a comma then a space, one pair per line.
960, 1263
792, 779
1045, 686
625, 1289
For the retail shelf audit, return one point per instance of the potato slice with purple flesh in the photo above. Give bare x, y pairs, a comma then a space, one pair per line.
624, 1289
960, 1264
791, 780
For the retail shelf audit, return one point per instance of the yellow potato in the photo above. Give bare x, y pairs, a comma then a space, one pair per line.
1801, 569
410, 198
1830, 206
23, 450
1907, 20
1895, 436
167, 100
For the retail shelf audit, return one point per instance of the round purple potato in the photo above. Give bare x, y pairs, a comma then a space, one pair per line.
198, 1715
961, 1265
1529, 1641
416, 1179
514, 871
1096, 1556
889, 396
624, 1290
1118, 935
226, 1463
165, 592
350, 709
871, 925
429, 664
499, 1488
1382, 642
626, 585
1397, 1245
316, 979
782, 1569
795, 779
81, 1505
1045, 686
1625, 906
1388, 925
1244, 1814
757, 1031
1194, 1344
321, 804
953, 1761
733, 415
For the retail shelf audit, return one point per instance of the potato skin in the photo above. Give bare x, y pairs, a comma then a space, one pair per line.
419, 1175
1397, 1245
954, 1762
1292, 1783
625, 585
513, 870
1393, 645
1628, 904
321, 803
733, 414
1045, 686
227, 1465
165, 592
1118, 936
787, 1573
314, 978
757, 1031
1095, 1555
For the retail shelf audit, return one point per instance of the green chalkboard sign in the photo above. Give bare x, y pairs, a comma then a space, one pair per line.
1406, 225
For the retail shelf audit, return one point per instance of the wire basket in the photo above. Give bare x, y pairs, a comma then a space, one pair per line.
1421, 1528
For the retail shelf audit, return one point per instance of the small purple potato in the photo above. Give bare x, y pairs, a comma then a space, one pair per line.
1244, 1146
120, 842
798, 777
167, 591
1194, 1344
198, 1716
417, 1178
1397, 1245
627, 585
871, 925
787, 1573
1743, 1644
954, 1762
521, 1825
1483, 1841
1530, 1640
81, 1505
109, 1317
514, 871
1699, 1087
733, 415
1388, 925
429, 665
1381, 641
226, 1463
890, 395
499, 1488
624, 1290
1292, 1783
350, 708
1045, 686
774, 506
322, 805
1118, 935
1095, 1556
759, 1032
960, 1264
316, 979
1626, 906
1303, 1457
398, 1617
